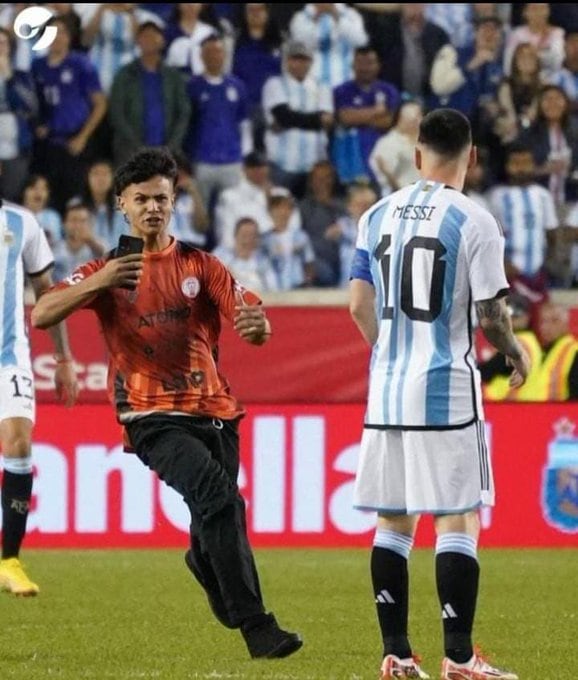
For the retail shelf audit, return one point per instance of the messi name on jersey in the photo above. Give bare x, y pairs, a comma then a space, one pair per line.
414, 212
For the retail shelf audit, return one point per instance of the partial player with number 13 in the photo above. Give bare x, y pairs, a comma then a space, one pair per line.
23, 250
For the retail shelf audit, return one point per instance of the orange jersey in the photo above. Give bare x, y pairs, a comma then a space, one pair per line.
163, 337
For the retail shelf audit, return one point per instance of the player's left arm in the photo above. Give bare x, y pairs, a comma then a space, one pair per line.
65, 381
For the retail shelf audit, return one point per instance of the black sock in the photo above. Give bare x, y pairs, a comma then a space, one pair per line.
457, 578
16, 494
390, 586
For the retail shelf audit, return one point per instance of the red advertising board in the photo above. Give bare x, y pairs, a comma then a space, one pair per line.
316, 356
298, 465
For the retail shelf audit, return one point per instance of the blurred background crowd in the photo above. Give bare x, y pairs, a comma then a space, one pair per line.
289, 121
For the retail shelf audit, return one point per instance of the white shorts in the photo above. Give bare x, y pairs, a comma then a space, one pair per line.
16, 393
424, 471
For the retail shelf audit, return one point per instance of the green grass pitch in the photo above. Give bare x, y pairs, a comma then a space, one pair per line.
138, 614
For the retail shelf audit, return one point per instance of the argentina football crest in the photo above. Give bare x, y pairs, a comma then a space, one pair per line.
560, 479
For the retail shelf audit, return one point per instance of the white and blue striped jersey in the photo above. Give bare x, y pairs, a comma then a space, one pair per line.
114, 45
526, 213
430, 252
332, 38
294, 149
23, 248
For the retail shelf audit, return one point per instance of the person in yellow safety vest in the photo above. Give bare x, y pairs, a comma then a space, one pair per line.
495, 372
557, 378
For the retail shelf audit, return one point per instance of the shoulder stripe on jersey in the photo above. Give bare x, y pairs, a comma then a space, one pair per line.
15, 225
438, 397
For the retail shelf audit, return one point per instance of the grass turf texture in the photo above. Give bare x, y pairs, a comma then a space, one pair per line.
139, 614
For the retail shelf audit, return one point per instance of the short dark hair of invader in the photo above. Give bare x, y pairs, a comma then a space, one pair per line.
446, 132
144, 165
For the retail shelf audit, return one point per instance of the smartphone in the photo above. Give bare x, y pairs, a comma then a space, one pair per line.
129, 245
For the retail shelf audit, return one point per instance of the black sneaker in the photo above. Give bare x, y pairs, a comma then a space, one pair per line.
265, 640
212, 591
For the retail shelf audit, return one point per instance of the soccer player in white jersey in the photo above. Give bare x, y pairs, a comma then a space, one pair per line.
23, 250
424, 254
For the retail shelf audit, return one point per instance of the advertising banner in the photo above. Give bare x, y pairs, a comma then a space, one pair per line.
316, 356
297, 472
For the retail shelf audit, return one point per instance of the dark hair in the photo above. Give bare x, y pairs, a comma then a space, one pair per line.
272, 37
144, 165
110, 201
447, 132
149, 24
211, 38
33, 178
565, 120
183, 162
245, 220
61, 20
75, 204
518, 146
365, 49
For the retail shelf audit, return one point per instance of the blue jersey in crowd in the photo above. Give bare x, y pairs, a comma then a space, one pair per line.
64, 92
254, 63
219, 107
363, 137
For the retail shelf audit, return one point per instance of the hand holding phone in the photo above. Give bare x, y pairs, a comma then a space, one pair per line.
126, 273
128, 245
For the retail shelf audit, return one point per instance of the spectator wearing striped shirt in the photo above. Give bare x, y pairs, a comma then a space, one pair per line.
246, 260
332, 30
109, 33
527, 214
298, 112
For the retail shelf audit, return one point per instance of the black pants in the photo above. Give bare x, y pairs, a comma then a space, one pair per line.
199, 458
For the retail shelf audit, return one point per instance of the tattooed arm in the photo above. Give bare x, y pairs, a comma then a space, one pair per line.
497, 327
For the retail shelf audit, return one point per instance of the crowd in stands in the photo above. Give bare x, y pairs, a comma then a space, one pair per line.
288, 121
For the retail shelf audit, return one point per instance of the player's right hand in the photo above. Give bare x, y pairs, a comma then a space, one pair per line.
122, 271
521, 368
